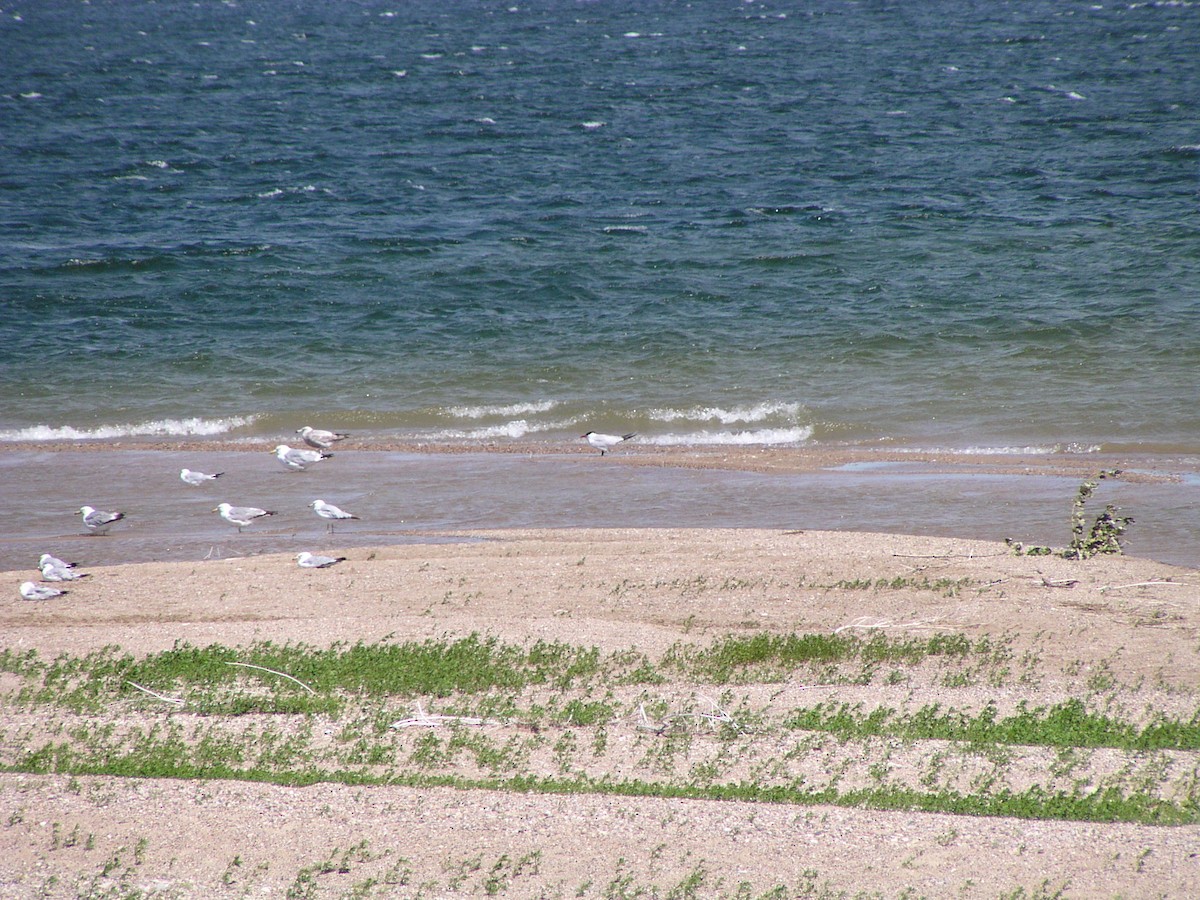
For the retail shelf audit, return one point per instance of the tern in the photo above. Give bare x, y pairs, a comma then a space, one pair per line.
319, 438
330, 512
190, 477
241, 515
98, 522
308, 560
605, 442
31, 591
297, 457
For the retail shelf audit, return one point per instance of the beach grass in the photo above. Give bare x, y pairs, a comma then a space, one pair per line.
479, 713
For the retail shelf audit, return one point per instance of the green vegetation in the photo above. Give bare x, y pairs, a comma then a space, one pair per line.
479, 713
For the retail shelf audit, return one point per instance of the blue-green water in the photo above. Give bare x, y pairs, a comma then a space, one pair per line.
939, 224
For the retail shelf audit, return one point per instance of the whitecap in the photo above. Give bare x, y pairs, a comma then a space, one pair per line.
1028, 450
750, 437
592, 126
191, 427
748, 414
515, 429
505, 410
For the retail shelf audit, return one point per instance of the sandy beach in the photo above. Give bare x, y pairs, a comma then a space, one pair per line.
1119, 633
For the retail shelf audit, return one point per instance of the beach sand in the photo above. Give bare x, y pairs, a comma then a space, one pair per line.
1121, 631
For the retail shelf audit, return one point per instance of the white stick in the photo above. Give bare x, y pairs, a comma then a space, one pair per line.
1117, 587
424, 720
273, 672
157, 696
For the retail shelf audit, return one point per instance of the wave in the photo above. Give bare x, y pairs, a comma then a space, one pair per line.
512, 409
517, 428
749, 414
1033, 450
764, 436
193, 427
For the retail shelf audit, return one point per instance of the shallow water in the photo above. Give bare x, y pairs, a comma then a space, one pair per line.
403, 497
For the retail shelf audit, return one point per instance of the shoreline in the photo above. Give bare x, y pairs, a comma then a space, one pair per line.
404, 492
1148, 465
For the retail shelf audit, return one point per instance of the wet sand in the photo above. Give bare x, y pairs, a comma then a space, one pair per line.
405, 493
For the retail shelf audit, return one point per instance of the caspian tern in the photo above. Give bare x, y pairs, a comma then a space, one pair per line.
605, 442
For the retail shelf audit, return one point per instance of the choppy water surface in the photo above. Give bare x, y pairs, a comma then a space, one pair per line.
960, 225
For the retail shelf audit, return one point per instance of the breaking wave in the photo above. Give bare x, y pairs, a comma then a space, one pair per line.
192, 427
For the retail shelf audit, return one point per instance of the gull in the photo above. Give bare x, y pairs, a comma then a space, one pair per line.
605, 442
190, 477
51, 572
97, 521
31, 591
322, 440
297, 457
240, 515
308, 560
330, 512
54, 561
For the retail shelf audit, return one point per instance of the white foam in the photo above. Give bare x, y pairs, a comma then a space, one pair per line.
1030, 450
764, 436
515, 429
749, 414
194, 427
509, 410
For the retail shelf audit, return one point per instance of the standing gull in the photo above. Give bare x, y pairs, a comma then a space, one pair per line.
605, 442
330, 512
31, 591
297, 457
97, 521
319, 438
308, 560
241, 515
190, 477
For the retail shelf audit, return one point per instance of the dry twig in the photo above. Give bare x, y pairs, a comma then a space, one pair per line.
273, 672
426, 720
177, 701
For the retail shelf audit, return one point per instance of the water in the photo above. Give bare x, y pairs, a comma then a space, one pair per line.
953, 225
415, 497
